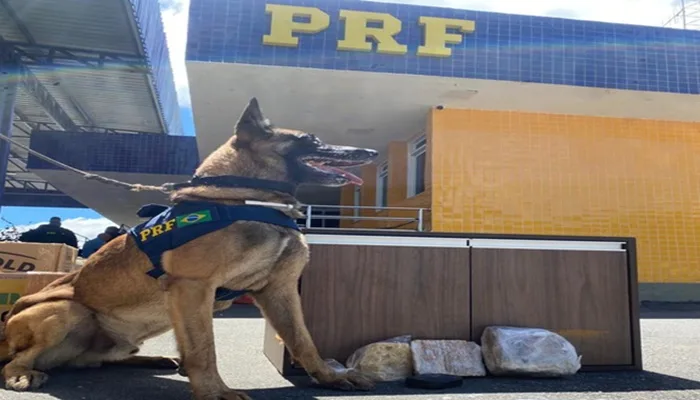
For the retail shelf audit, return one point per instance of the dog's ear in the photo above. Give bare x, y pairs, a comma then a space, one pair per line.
252, 124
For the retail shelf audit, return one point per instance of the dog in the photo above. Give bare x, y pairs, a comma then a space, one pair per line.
103, 312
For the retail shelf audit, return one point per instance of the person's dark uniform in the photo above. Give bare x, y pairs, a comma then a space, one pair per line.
91, 246
50, 233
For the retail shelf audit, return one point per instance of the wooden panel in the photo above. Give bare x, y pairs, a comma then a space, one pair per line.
355, 295
582, 295
273, 348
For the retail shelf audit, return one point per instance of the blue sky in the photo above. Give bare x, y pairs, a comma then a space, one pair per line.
32, 215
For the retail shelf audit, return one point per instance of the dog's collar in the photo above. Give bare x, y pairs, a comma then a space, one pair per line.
232, 181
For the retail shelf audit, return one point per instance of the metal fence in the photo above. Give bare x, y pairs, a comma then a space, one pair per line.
331, 216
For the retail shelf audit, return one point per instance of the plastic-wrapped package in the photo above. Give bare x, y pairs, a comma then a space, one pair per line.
512, 351
388, 360
451, 357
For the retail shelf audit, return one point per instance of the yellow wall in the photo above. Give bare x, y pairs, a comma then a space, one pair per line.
513, 172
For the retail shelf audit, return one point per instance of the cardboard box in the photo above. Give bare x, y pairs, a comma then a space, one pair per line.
45, 257
78, 264
14, 285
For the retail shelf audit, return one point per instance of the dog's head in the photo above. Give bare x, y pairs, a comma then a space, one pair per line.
258, 149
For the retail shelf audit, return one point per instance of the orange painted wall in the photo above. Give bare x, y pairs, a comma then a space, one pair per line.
514, 172
397, 156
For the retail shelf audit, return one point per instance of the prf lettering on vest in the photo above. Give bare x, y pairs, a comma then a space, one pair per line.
156, 230
284, 24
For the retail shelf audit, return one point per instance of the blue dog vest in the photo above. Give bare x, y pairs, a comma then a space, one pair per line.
172, 227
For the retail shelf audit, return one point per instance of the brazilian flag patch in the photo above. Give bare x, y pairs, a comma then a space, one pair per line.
193, 218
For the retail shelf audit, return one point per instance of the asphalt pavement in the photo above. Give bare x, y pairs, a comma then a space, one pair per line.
671, 349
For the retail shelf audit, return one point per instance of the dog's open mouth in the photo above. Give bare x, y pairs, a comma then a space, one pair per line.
334, 167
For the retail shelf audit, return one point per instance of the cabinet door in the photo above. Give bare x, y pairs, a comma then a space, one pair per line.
353, 295
582, 295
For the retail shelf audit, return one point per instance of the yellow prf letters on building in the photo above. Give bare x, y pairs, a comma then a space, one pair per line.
357, 31
436, 35
358, 35
283, 26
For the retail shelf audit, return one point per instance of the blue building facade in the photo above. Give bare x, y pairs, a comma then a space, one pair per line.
147, 14
501, 47
117, 152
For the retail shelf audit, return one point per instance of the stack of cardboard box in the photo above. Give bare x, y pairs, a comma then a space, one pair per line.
26, 268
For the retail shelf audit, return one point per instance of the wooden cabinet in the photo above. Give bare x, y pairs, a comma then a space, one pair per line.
349, 301
581, 294
361, 288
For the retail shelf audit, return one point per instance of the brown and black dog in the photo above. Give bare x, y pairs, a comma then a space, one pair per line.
104, 312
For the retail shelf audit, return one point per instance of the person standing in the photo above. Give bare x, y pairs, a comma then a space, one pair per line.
50, 233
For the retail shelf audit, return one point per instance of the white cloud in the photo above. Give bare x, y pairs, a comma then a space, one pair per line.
82, 227
641, 12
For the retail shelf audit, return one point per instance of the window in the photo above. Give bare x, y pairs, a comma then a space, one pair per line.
416, 166
382, 184
357, 202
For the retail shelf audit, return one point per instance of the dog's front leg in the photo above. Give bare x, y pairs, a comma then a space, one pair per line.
281, 305
191, 307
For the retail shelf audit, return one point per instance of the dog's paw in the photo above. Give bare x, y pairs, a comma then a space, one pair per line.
25, 381
180, 367
350, 380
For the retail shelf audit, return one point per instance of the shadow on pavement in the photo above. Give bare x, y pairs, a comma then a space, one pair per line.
661, 310
133, 384
241, 311
114, 383
582, 383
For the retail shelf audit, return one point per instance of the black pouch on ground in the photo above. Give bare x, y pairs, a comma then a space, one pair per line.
434, 381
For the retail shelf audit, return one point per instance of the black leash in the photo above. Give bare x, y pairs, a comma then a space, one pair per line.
231, 181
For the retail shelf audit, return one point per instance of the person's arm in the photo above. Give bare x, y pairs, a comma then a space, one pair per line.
88, 249
91, 246
71, 240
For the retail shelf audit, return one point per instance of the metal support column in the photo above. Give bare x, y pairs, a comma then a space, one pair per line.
9, 76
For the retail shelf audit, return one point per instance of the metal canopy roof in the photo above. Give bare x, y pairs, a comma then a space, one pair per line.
86, 65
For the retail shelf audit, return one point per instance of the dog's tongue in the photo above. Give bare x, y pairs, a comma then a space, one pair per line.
354, 179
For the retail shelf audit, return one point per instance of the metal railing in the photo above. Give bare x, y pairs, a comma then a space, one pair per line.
320, 212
